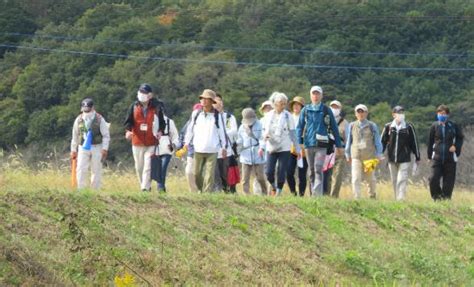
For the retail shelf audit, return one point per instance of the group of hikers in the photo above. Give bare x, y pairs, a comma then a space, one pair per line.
290, 137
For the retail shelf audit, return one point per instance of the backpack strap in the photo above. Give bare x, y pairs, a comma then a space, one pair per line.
225, 133
196, 116
340, 121
166, 130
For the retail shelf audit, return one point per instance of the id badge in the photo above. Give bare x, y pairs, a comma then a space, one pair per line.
143, 127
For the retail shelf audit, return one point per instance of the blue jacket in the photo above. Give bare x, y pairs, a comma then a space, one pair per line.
312, 121
249, 145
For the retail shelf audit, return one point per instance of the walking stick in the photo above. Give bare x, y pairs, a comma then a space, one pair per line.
73, 173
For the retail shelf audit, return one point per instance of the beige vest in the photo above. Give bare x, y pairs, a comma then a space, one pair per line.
363, 146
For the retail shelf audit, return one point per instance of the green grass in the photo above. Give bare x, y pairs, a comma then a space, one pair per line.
50, 235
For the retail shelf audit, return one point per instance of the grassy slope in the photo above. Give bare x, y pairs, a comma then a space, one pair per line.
54, 236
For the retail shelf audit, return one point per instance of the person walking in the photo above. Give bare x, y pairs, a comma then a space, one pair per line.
230, 125
169, 140
188, 152
400, 140
335, 175
265, 107
207, 135
279, 134
444, 149
89, 144
363, 151
249, 137
142, 127
295, 106
315, 125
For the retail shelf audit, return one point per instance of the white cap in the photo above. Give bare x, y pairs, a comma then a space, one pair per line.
317, 89
361, 107
337, 103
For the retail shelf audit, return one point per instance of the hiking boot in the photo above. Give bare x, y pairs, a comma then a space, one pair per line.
273, 192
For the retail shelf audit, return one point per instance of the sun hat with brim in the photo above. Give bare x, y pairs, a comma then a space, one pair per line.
248, 116
299, 100
208, 94
337, 103
264, 104
361, 107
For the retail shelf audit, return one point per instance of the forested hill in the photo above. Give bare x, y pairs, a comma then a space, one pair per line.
54, 53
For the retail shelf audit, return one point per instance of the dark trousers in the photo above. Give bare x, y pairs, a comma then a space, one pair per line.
447, 171
221, 176
327, 182
282, 159
290, 176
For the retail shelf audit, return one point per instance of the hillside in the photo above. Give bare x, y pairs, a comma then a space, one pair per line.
55, 237
380, 53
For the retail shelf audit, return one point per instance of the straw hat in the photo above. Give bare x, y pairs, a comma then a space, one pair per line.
299, 100
208, 94
264, 104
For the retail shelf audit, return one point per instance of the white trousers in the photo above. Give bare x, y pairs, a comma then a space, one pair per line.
189, 171
142, 156
358, 175
89, 158
399, 173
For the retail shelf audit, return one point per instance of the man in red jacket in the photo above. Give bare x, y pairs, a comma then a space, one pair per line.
142, 128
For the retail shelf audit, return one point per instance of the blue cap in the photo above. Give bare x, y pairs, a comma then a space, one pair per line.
145, 88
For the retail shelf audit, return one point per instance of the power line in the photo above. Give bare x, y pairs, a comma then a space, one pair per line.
390, 17
243, 63
249, 49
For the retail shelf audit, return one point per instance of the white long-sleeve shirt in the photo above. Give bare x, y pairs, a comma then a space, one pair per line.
170, 136
76, 133
279, 132
203, 133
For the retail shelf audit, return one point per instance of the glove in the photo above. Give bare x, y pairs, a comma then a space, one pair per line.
181, 152
293, 150
370, 164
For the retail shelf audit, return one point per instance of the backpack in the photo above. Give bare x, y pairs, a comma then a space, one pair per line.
216, 122
216, 117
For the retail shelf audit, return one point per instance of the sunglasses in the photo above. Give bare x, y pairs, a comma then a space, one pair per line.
360, 111
86, 105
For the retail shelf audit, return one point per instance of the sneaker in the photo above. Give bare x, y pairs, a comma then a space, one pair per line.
146, 190
279, 192
273, 192
162, 190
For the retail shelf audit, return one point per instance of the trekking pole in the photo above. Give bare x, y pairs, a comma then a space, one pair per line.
73, 173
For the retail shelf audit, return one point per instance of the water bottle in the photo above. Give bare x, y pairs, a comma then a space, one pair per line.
88, 142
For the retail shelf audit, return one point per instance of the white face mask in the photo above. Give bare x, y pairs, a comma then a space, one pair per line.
336, 112
400, 117
143, 98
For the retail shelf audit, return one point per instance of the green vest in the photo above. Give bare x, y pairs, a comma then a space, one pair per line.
95, 128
